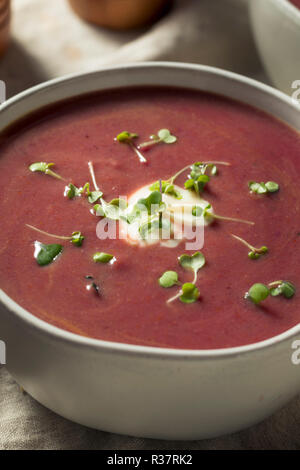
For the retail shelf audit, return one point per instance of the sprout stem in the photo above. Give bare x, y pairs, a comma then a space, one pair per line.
46, 233
91, 168
138, 153
230, 219
244, 242
175, 297
52, 173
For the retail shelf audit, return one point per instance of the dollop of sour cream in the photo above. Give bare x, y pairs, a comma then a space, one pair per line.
178, 221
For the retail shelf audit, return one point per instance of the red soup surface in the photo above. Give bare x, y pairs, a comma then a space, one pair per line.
131, 306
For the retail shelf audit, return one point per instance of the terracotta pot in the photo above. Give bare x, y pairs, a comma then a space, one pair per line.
119, 14
4, 24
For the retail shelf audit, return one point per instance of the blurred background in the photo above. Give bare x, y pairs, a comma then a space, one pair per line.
50, 39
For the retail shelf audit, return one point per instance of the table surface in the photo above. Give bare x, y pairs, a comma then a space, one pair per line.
48, 41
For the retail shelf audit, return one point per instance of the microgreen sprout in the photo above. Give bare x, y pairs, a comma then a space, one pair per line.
188, 293
254, 253
72, 191
44, 167
163, 135
208, 214
284, 288
263, 188
211, 165
101, 257
192, 262
76, 238
126, 137
45, 254
259, 292
198, 177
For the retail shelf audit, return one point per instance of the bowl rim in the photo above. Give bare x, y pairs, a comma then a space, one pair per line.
74, 339
291, 8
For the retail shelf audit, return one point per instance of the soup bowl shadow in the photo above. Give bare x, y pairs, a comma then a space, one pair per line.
139, 390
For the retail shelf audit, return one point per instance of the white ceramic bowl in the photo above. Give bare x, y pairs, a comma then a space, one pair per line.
138, 390
276, 28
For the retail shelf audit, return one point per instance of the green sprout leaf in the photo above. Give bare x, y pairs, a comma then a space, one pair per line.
166, 136
272, 187
154, 199
77, 238
258, 188
102, 257
197, 184
166, 188
284, 288
258, 292
40, 166
168, 279
94, 196
72, 191
193, 262
125, 136
45, 254
111, 211
263, 188
190, 293
155, 225
198, 177
197, 211
120, 203
44, 167
98, 209
256, 253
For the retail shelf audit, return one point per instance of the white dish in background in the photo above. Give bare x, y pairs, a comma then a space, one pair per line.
276, 28
138, 390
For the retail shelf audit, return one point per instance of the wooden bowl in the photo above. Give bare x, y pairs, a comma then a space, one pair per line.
119, 14
4, 24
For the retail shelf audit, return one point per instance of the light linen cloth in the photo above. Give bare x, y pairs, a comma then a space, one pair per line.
49, 41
